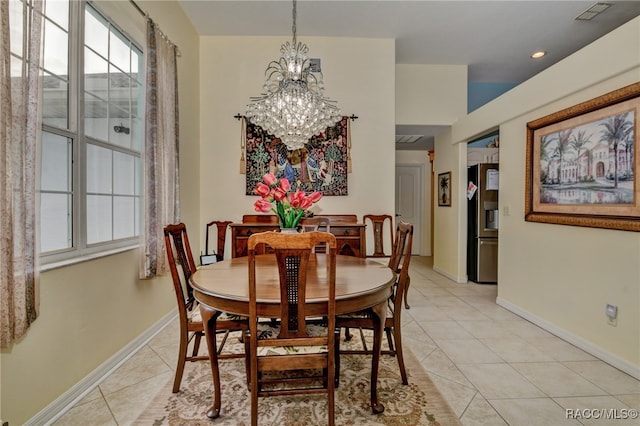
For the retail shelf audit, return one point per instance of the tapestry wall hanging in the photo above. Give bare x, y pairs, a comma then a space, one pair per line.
321, 165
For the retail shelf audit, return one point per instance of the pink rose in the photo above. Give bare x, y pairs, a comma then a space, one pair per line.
263, 206
262, 190
270, 179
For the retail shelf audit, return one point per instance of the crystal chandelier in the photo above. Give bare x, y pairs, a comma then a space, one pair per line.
292, 106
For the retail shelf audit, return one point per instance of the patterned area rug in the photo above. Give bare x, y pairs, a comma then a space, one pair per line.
419, 403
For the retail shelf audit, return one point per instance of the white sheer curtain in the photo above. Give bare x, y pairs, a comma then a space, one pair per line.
161, 187
19, 132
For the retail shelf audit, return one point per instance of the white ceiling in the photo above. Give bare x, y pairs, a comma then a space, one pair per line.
494, 38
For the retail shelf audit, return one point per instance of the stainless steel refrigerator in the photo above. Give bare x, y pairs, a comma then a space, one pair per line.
482, 232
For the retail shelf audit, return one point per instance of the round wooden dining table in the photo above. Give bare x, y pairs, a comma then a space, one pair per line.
224, 287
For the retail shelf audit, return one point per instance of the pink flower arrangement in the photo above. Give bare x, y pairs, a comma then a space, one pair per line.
289, 206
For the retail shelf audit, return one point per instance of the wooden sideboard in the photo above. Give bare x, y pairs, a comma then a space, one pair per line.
350, 235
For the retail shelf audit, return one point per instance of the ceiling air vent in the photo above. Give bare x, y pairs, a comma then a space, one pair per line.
593, 11
314, 65
408, 138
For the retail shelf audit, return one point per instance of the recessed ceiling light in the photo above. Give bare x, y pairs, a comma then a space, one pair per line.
538, 54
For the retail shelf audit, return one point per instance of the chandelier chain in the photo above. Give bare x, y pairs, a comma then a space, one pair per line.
293, 27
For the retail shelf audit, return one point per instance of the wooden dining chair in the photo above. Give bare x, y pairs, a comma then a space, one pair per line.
191, 326
378, 223
392, 325
317, 224
221, 234
294, 343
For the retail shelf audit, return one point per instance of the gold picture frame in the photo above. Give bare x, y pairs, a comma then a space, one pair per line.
582, 164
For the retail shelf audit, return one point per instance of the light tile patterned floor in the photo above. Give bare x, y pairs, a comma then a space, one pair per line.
493, 367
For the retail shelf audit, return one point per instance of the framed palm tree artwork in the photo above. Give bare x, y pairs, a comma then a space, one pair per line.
582, 164
444, 189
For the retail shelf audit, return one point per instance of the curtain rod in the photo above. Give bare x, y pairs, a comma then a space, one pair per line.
146, 15
352, 117
138, 8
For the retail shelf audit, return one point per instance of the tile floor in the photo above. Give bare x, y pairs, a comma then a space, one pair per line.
493, 367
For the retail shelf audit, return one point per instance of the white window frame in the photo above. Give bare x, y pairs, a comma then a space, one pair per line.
80, 250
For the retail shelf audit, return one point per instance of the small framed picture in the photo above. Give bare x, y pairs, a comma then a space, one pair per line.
444, 189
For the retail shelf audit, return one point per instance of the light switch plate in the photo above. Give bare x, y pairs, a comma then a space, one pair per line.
611, 311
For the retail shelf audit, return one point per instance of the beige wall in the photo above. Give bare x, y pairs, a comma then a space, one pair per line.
450, 221
358, 73
559, 277
91, 310
434, 95
430, 94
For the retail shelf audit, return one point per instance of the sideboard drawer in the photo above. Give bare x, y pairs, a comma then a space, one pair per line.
249, 231
350, 237
343, 231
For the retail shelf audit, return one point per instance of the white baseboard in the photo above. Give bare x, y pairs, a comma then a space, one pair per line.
452, 277
595, 350
64, 402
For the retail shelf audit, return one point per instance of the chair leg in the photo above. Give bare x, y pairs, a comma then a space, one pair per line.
224, 340
254, 397
364, 342
397, 336
347, 334
196, 343
247, 359
182, 358
331, 403
337, 357
390, 340
406, 292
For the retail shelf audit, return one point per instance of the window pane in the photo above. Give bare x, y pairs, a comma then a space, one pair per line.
56, 49
123, 174
15, 27
58, 11
120, 90
55, 222
99, 167
56, 163
55, 98
138, 218
136, 63
95, 74
95, 118
136, 134
119, 52
99, 218
138, 185
124, 217
96, 34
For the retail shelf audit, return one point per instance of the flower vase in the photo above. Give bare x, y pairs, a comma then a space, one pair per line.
289, 230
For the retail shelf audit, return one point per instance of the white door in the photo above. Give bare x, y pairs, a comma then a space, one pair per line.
409, 181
